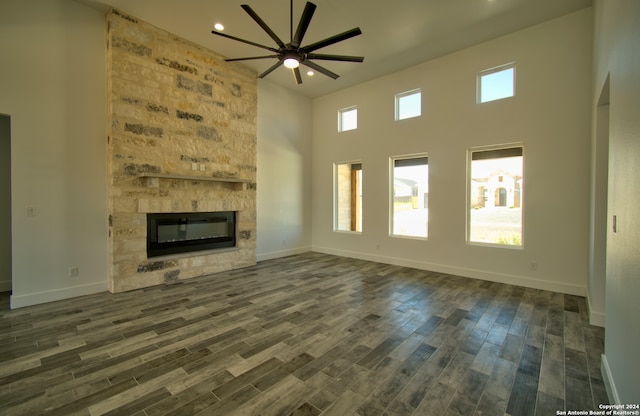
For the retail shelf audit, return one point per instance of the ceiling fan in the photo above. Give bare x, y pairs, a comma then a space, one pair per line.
292, 54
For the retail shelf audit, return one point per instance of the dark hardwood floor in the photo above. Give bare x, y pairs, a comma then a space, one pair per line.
311, 334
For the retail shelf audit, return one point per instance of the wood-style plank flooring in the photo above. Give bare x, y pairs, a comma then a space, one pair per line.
310, 334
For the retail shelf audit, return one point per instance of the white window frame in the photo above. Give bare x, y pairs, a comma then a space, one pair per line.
400, 96
341, 114
337, 199
469, 202
491, 71
392, 161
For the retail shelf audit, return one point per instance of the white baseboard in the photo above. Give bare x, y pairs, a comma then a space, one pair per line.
460, 271
282, 253
607, 377
20, 301
595, 318
5, 285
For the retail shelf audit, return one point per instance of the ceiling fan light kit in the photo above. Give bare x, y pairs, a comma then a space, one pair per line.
291, 63
292, 54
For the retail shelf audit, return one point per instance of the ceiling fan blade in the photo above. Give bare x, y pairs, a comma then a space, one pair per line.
248, 42
262, 24
331, 40
320, 69
305, 19
343, 58
297, 76
251, 57
271, 69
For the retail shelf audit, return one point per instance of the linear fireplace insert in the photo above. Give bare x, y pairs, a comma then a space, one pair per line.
172, 233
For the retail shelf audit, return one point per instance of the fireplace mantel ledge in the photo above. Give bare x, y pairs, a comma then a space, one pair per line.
192, 178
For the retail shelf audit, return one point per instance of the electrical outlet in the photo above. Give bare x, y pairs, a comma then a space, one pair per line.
30, 211
74, 271
202, 167
194, 166
533, 265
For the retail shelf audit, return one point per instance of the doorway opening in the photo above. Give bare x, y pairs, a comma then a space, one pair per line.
5, 203
600, 219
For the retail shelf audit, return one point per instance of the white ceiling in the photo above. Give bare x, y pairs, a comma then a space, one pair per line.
396, 34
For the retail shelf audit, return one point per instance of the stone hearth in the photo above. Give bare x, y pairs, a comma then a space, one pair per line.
182, 138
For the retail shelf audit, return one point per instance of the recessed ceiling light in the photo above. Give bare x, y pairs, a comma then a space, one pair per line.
219, 26
311, 73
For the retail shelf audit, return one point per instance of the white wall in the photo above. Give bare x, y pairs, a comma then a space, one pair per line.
5, 203
284, 172
617, 56
52, 80
53, 84
550, 115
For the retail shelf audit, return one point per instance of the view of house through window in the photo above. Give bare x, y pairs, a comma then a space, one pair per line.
496, 83
495, 214
410, 196
348, 187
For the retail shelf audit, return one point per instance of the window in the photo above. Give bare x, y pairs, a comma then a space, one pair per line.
495, 197
410, 196
348, 197
408, 104
348, 119
496, 83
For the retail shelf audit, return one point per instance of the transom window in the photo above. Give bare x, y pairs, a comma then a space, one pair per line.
348, 119
408, 104
496, 83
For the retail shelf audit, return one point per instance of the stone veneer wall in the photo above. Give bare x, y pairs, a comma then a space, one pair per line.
171, 104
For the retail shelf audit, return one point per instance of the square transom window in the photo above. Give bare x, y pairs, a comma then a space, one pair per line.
348, 119
496, 83
408, 104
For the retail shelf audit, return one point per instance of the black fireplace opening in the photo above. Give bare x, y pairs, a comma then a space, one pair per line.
184, 232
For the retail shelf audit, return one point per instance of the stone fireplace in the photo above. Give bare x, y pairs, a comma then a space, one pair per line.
181, 140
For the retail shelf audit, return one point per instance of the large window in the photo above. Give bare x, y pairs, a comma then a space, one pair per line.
348, 196
496, 83
408, 104
348, 119
495, 197
410, 196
